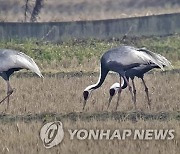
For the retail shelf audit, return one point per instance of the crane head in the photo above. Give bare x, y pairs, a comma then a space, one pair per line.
112, 91
86, 96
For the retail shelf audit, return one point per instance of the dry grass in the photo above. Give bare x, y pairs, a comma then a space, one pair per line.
64, 95
23, 137
55, 10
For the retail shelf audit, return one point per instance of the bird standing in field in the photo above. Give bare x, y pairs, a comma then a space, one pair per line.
136, 72
120, 60
11, 61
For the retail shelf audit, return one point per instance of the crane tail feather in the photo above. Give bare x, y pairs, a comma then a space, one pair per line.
158, 59
27, 62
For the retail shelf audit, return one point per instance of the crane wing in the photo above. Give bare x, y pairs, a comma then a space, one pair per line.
14, 59
27, 62
158, 57
129, 55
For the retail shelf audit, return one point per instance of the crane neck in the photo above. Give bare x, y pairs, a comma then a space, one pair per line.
124, 84
102, 76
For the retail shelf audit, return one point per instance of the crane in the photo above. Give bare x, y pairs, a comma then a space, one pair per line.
132, 73
120, 60
11, 61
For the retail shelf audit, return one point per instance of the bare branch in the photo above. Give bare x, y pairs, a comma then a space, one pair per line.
36, 10
25, 10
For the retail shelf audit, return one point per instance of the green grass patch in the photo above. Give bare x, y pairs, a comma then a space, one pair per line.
85, 54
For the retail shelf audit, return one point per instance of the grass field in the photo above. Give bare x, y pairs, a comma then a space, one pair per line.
68, 71
84, 55
64, 95
23, 137
36, 102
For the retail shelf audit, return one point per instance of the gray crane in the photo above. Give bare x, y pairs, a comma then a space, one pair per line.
120, 60
132, 73
11, 61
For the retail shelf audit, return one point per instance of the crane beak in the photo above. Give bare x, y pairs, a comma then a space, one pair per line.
84, 104
110, 99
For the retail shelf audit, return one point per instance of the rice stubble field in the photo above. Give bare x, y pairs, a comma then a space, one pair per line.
59, 97
32, 98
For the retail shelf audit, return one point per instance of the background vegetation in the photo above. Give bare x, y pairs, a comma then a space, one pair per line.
84, 55
68, 10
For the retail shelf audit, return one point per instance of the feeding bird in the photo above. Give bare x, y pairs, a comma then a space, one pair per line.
120, 60
136, 72
11, 61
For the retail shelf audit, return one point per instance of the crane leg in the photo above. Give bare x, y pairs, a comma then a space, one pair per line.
9, 92
134, 91
147, 93
110, 99
119, 94
84, 104
130, 89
